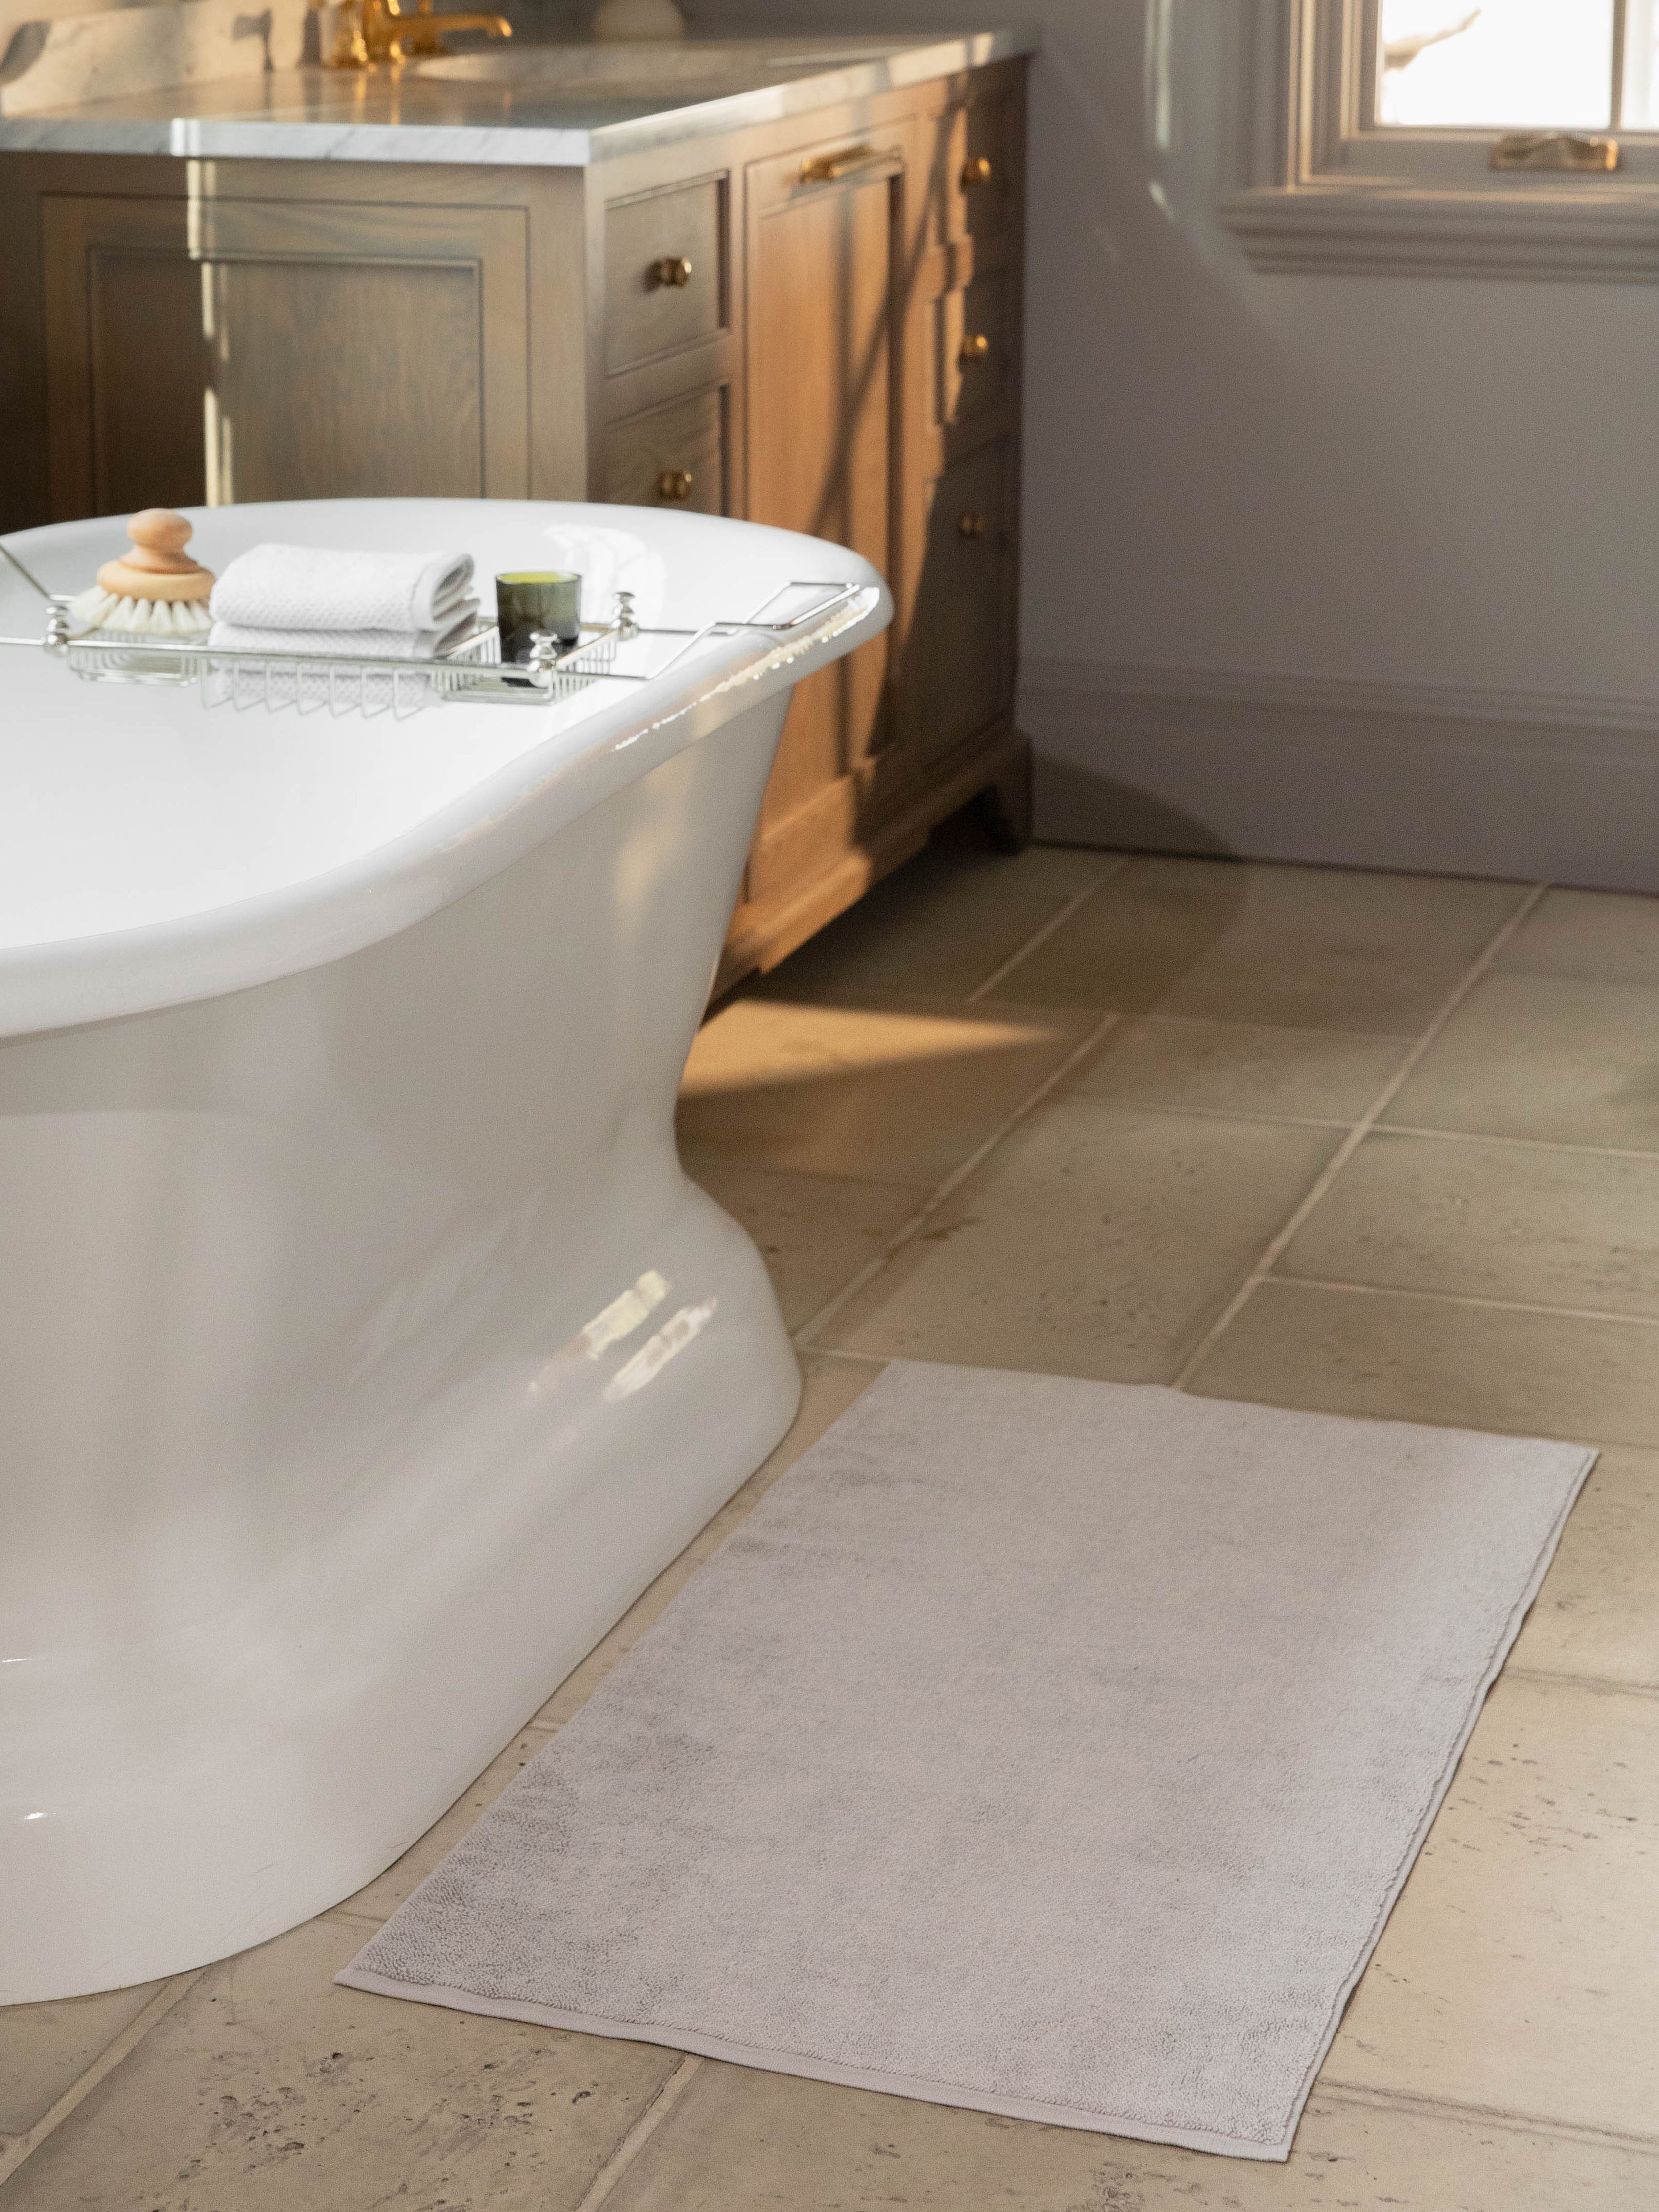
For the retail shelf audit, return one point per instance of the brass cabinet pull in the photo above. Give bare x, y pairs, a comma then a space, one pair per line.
830, 168
1553, 150
672, 269
974, 347
977, 172
675, 483
970, 525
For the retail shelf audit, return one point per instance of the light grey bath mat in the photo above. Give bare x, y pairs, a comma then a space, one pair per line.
1051, 1747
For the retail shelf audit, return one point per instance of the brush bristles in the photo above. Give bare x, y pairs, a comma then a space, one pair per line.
97, 609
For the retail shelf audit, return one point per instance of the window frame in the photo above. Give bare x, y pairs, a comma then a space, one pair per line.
1320, 187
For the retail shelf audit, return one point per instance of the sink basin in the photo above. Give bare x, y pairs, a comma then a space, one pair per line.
701, 69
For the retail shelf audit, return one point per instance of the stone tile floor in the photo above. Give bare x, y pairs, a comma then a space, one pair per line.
1376, 1144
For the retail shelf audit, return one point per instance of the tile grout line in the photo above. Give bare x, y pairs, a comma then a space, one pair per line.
1465, 1298
802, 1337
1154, 1016
1077, 899
1527, 1144
640, 2133
1127, 1102
1356, 1136
23, 2147
1357, 2093
1606, 1684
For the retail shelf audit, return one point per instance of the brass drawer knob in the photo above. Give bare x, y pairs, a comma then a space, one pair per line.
971, 524
977, 172
975, 348
673, 269
675, 483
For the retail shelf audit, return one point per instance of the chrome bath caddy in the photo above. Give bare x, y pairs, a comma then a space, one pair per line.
470, 673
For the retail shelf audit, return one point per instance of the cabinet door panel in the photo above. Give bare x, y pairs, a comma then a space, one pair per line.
976, 337
647, 453
821, 427
958, 673
147, 326
418, 429
284, 352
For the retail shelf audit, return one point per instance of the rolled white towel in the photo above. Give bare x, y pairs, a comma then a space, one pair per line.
318, 588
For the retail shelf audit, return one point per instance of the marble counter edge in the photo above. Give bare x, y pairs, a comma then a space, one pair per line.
100, 128
206, 137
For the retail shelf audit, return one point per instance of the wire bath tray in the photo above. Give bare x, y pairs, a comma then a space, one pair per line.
470, 673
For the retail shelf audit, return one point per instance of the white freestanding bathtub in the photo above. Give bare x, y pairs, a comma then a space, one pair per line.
363, 1349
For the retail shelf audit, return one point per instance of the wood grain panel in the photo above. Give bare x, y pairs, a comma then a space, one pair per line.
644, 318
967, 383
415, 428
426, 381
319, 350
822, 426
687, 434
990, 131
959, 662
146, 425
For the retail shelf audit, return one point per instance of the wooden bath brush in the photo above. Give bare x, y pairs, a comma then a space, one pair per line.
155, 590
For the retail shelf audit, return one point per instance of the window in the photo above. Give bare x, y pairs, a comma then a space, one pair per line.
1516, 138
1508, 64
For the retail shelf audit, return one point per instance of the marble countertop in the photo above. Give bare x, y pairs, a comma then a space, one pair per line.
551, 105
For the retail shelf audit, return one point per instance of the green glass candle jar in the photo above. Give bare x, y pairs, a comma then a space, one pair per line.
531, 599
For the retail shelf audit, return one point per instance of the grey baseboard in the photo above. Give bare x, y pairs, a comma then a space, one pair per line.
1383, 776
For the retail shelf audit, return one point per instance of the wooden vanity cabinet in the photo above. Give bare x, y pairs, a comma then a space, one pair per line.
814, 324
862, 331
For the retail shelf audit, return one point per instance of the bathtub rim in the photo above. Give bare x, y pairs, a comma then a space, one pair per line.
70, 983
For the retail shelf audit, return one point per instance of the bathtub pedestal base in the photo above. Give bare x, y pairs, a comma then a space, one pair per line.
363, 1352
205, 1790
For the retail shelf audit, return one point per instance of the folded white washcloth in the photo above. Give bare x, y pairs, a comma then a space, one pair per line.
362, 644
312, 588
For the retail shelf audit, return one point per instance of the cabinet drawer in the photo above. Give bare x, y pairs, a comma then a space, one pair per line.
974, 339
664, 283
982, 158
671, 456
959, 672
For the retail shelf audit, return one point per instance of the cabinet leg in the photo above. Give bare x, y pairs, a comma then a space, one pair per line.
1002, 811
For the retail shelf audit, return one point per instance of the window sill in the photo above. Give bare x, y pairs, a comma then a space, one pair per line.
1565, 232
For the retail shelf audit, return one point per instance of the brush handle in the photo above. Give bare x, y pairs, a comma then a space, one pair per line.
158, 568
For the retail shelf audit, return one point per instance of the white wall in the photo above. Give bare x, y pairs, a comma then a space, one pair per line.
1312, 563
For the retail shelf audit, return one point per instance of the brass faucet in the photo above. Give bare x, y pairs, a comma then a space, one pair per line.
374, 31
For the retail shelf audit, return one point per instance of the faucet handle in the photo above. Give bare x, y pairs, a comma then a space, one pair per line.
350, 47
